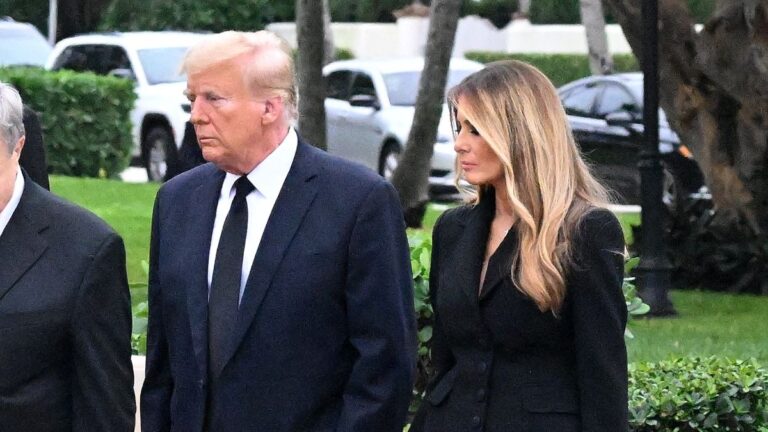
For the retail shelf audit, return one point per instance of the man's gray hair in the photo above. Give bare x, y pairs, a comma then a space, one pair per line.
11, 116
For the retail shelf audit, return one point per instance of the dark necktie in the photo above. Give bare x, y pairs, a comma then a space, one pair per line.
225, 283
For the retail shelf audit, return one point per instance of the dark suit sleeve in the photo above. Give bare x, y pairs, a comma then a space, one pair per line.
33, 158
102, 388
381, 318
599, 318
158, 385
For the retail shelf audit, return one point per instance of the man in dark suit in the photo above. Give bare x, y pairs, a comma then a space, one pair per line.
280, 295
65, 319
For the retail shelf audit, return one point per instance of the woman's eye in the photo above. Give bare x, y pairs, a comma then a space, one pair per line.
474, 131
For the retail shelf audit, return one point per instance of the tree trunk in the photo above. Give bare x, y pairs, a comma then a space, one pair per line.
309, 67
329, 49
523, 8
714, 90
411, 178
78, 16
593, 19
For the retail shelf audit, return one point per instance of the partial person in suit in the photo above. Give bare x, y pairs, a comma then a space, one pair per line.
33, 158
65, 314
525, 279
280, 293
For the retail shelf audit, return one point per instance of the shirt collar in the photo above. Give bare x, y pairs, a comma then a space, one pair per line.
7, 212
269, 175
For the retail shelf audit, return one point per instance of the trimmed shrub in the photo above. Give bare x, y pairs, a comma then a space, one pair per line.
698, 394
84, 117
560, 68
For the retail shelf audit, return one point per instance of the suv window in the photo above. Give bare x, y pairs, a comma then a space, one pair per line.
363, 85
337, 85
579, 101
615, 98
83, 58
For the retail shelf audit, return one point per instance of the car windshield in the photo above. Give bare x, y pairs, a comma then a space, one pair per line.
161, 65
403, 87
22, 47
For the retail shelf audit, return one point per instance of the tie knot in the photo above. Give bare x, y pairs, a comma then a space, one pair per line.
243, 187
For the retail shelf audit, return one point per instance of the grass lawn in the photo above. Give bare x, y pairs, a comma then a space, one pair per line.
709, 323
126, 207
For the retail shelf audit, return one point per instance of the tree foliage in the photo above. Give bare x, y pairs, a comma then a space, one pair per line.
214, 15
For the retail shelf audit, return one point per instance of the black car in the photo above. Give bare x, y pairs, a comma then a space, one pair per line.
606, 116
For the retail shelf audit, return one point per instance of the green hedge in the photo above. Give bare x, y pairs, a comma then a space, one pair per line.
85, 118
560, 68
698, 394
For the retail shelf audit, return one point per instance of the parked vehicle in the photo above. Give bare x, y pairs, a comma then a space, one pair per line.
369, 109
21, 44
606, 116
151, 60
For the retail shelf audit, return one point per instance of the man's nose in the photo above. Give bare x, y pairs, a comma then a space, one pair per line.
197, 112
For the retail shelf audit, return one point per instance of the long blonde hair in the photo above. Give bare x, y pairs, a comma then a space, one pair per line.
516, 109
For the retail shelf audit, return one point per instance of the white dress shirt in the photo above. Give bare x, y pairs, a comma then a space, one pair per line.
7, 212
267, 178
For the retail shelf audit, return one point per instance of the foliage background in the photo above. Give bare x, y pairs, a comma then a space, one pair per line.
219, 15
84, 117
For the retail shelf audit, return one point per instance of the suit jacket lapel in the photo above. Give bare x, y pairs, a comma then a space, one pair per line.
469, 251
499, 266
197, 298
22, 237
292, 203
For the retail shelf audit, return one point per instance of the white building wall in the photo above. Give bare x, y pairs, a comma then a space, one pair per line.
407, 37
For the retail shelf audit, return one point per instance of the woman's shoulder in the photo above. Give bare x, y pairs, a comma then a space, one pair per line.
454, 215
599, 228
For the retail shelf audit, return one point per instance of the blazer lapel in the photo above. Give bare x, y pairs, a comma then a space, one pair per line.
197, 298
500, 264
296, 196
22, 237
469, 251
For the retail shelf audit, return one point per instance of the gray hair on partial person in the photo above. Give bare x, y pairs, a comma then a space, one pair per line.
11, 116
270, 67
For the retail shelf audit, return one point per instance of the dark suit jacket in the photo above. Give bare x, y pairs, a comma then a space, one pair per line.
65, 321
502, 365
325, 340
33, 158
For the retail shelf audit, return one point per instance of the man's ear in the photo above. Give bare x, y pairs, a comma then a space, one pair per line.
18, 147
273, 110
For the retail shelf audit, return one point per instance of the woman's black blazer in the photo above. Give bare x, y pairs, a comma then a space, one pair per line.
504, 366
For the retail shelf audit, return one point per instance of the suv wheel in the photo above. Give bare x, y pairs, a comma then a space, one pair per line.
390, 157
159, 153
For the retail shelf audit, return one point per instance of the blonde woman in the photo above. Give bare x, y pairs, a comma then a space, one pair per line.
526, 279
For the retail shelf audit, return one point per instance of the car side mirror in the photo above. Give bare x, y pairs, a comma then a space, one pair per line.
124, 73
621, 118
366, 101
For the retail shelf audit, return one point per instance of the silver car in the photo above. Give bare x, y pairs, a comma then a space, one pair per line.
369, 108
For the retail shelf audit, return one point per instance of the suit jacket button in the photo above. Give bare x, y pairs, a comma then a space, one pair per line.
482, 367
480, 395
476, 421
201, 383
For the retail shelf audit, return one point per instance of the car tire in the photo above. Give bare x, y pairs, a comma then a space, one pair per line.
389, 159
159, 153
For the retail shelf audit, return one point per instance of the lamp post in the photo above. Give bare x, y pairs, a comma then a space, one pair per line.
654, 270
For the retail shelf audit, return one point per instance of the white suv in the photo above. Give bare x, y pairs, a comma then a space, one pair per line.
151, 60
